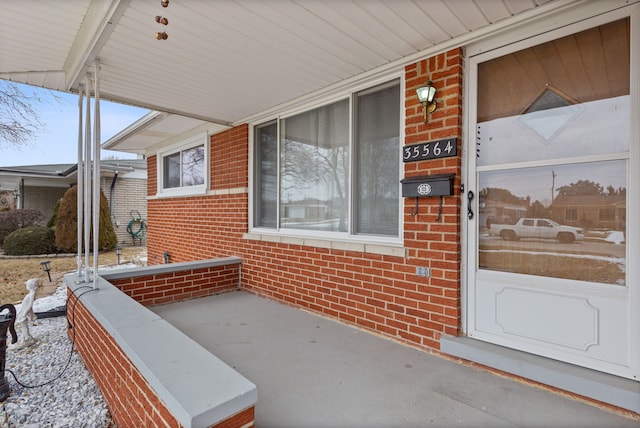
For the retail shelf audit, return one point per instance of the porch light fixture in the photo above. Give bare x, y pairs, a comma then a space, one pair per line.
46, 266
166, 258
118, 252
426, 95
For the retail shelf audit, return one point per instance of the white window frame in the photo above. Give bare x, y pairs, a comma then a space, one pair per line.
370, 243
189, 143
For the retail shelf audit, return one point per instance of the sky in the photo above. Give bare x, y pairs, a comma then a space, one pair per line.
537, 182
58, 142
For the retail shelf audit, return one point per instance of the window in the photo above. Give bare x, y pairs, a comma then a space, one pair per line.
607, 214
571, 214
183, 170
266, 180
332, 169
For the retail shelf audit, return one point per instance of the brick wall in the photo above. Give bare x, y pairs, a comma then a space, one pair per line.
152, 175
427, 240
374, 291
156, 289
129, 195
230, 160
131, 400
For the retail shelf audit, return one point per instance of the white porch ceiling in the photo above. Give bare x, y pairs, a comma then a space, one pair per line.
226, 60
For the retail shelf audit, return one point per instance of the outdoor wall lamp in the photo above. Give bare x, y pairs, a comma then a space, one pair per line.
118, 252
426, 95
46, 266
166, 258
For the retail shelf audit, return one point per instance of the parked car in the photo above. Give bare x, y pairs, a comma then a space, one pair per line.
540, 228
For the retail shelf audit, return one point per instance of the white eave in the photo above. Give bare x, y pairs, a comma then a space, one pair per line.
228, 61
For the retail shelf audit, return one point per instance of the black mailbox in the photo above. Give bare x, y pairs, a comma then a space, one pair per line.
428, 185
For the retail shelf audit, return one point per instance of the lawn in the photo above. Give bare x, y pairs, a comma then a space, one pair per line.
15, 271
581, 269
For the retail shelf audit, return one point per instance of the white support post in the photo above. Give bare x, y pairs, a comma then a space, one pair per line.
79, 187
96, 174
87, 178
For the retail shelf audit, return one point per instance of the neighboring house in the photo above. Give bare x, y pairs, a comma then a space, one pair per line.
292, 124
602, 211
40, 187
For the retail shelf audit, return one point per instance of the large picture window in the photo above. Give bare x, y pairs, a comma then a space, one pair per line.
332, 169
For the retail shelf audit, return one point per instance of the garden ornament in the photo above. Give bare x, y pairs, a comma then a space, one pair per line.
26, 315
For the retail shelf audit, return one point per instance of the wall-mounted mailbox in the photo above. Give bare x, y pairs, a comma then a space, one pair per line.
428, 185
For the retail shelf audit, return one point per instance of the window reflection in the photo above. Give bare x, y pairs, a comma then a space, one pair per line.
184, 168
315, 169
193, 166
565, 221
553, 133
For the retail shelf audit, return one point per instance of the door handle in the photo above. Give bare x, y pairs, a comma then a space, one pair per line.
469, 210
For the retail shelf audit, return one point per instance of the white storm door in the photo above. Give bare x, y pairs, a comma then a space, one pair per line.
555, 140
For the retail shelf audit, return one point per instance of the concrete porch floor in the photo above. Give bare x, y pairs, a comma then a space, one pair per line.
314, 372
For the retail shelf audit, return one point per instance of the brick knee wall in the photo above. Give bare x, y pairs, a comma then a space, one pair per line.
170, 287
130, 399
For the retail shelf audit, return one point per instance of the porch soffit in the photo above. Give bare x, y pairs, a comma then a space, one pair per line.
226, 60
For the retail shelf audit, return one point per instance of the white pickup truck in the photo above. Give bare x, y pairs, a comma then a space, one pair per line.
540, 228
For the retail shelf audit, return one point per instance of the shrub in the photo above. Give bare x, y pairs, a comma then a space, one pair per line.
16, 219
29, 241
66, 230
54, 217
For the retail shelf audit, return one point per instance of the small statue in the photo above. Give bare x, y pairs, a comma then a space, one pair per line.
26, 315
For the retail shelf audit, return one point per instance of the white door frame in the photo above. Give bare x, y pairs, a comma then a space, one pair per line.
536, 32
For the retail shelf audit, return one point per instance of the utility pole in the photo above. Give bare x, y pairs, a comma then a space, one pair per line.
553, 184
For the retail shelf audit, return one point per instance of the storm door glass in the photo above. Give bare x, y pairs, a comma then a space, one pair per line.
552, 140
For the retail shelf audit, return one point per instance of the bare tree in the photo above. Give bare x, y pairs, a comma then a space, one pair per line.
19, 121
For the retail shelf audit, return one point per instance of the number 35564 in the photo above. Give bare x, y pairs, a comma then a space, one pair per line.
430, 150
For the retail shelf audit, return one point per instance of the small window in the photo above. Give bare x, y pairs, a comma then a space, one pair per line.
571, 214
607, 214
183, 170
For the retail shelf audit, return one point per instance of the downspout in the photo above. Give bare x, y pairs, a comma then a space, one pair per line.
111, 192
21, 194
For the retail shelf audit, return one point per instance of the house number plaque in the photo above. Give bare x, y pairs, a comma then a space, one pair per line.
431, 150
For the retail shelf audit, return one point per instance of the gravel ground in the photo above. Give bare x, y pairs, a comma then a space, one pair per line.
71, 400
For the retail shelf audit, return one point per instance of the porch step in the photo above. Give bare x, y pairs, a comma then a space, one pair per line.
610, 389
